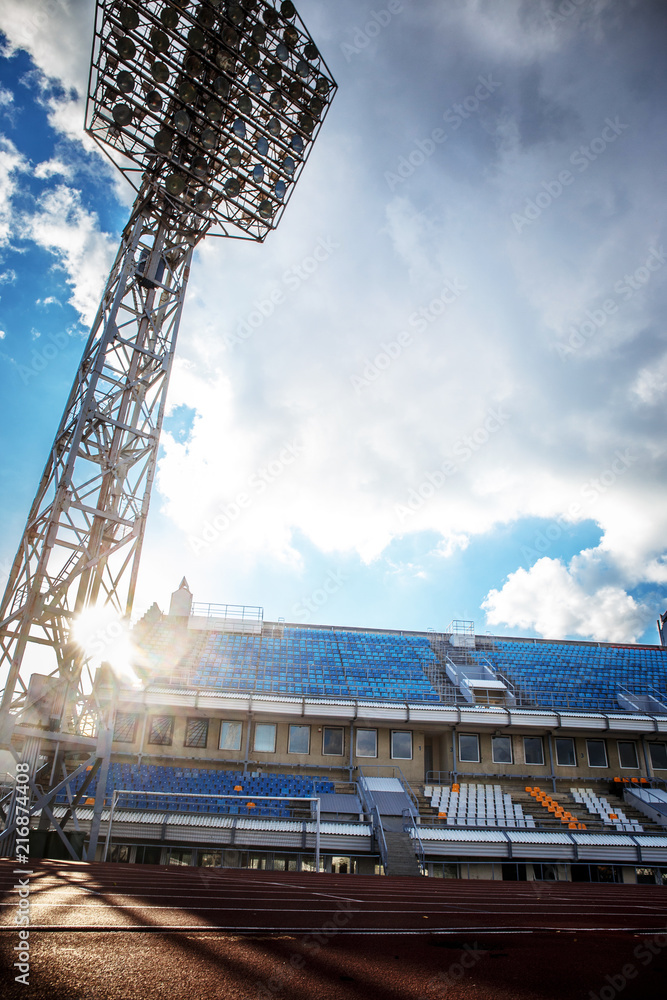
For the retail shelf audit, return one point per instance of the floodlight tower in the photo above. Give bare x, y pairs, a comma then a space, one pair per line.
210, 109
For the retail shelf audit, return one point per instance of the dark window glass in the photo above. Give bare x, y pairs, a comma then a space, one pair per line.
597, 753
533, 749
468, 747
627, 754
565, 752
502, 749
332, 741
196, 733
401, 745
162, 730
367, 743
125, 727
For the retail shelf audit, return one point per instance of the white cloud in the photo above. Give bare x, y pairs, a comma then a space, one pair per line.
64, 227
2, 334
56, 33
12, 163
52, 168
650, 386
550, 599
453, 543
366, 453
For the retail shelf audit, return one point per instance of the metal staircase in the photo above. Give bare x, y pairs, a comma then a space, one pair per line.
401, 858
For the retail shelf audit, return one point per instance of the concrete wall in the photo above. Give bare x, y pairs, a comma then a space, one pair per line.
315, 759
441, 738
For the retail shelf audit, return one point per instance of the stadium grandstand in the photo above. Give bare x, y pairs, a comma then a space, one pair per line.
269, 745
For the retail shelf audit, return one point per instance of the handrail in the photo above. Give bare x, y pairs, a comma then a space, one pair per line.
411, 828
378, 833
497, 776
366, 798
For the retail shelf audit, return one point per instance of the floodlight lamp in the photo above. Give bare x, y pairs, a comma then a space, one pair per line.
210, 106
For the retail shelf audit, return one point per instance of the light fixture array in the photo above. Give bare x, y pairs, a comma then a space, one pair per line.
217, 103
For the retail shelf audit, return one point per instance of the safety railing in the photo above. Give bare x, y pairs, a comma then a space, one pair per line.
411, 828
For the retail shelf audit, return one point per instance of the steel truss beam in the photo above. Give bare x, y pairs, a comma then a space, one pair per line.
83, 538
82, 542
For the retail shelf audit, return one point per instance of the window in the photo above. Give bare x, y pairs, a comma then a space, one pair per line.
502, 749
659, 756
210, 859
533, 750
180, 856
230, 735
597, 753
545, 873
565, 755
265, 737
401, 745
627, 754
299, 739
162, 730
468, 747
367, 742
196, 733
646, 876
332, 742
121, 853
125, 727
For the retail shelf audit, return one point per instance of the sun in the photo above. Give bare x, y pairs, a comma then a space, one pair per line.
105, 637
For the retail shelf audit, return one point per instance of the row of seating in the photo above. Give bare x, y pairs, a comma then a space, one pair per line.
570, 674
467, 804
315, 662
555, 808
610, 815
192, 783
304, 661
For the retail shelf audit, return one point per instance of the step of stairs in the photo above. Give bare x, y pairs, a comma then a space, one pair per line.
401, 858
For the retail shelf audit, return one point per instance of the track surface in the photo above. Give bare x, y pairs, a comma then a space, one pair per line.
116, 931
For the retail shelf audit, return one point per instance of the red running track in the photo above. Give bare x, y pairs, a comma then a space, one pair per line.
88, 897
121, 932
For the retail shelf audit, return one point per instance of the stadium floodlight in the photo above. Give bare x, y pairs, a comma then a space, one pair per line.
210, 109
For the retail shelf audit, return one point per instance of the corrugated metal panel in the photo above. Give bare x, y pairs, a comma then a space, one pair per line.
554, 852
570, 720
463, 836
658, 855
391, 711
384, 784
607, 853
651, 841
451, 849
538, 838
602, 840
347, 829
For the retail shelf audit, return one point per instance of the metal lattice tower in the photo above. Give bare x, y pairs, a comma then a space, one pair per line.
210, 110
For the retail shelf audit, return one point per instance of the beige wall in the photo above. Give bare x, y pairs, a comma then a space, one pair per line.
412, 769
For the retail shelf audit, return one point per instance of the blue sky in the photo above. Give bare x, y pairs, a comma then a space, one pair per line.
456, 409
